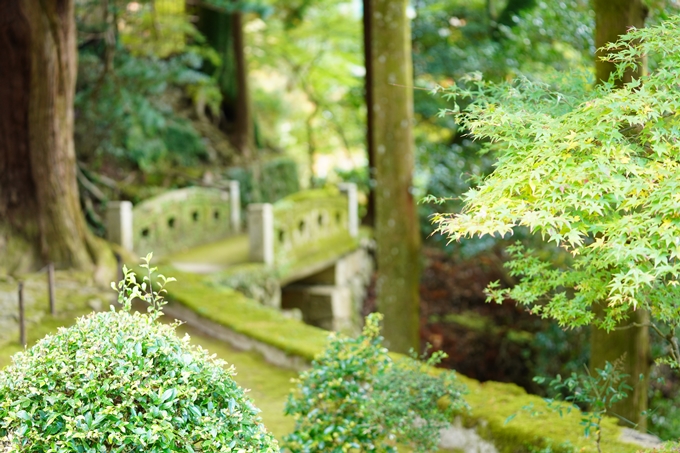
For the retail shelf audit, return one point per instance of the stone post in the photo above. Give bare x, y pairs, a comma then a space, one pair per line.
235, 206
350, 189
119, 223
261, 232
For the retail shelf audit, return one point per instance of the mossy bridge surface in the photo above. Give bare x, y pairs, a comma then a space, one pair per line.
222, 297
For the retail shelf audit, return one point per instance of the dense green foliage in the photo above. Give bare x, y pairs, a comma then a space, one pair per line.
593, 171
136, 68
122, 381
452, 38
129, 116
356, 397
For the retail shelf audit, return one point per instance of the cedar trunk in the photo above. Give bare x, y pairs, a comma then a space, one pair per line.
243, 126
396, 222
612, 19
224, 33
40, 215
369, 218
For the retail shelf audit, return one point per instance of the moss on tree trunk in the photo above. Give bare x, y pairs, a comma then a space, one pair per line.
612, 19
40, 215
396, 221
369, 218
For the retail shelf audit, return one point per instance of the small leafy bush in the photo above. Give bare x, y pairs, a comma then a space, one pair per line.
254, 281
355, 397
593, 393
121, 381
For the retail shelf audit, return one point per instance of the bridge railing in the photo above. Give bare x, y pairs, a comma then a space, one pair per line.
302, 224
175, 220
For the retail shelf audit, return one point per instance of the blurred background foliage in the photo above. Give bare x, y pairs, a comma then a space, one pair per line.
308, 58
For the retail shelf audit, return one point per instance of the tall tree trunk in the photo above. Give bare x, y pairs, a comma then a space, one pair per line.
243, 124
40, 213
396, 223
369, 218
612, 19
224, 33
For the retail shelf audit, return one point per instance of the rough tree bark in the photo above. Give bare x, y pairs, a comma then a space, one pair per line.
40, 215
396, 222
612, 19
243, 125
369, 218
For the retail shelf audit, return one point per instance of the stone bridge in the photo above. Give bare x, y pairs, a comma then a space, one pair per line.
304, 254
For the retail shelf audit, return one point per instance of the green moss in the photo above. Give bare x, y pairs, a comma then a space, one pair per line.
492, 403
232, 309
470, 320
17, 253
74, 293
312, 194
474, 321
329, 251
227, 252
255, 270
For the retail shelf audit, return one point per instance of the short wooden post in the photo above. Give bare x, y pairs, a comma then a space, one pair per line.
119, 266
119, 273
51, 289
22, 319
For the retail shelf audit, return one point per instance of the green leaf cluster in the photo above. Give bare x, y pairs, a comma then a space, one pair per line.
591, 170
120, 381
135, 67
356, 398
591, 394
452, 38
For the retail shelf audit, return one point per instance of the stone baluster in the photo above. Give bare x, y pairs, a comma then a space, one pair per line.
235, 206
350, 190
119, 224
261, 232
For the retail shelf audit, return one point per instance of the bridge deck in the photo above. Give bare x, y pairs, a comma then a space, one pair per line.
220, 256
213, 257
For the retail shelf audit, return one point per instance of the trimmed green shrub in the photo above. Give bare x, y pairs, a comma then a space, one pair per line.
356, 398
121, 381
